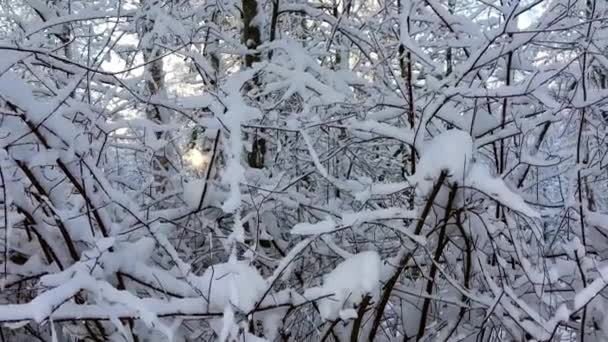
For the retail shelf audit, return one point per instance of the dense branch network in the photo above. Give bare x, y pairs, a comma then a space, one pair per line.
293, 170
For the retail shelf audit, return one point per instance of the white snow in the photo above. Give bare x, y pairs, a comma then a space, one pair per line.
348, 283
82, 212
193, 190
235, 284
450, 151
480, 178
320, 227
353, 218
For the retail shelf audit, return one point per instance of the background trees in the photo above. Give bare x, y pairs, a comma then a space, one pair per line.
296, 170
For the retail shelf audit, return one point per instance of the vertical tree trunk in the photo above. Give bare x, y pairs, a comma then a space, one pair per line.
406, 68
251, 38
251, 32
154, 83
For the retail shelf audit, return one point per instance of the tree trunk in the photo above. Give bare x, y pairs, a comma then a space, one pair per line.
251, 38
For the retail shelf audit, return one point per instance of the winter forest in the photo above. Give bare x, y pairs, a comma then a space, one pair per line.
303, 170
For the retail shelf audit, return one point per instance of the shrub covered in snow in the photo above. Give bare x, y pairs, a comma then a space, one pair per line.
282, 170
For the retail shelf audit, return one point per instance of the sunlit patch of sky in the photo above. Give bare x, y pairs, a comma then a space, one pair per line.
530, 17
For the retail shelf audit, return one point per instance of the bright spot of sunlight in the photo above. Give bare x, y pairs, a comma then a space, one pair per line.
196, 158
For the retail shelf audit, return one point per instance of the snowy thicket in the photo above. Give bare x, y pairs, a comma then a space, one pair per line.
303, 170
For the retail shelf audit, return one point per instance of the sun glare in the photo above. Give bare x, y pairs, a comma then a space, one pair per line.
196, 158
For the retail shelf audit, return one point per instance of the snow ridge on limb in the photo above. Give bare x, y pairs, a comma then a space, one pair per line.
452, 151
